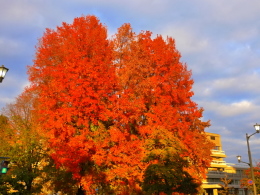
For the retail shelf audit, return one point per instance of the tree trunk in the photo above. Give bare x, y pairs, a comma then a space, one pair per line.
80, 191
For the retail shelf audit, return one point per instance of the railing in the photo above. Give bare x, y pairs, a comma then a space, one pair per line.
212, 182
218, 162
238, 165
218, 152
222, 174
237, 185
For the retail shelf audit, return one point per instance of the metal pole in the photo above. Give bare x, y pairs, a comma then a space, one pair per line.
250, 163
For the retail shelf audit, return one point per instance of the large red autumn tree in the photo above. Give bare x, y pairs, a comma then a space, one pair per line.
75, 80
155, 94
110, 108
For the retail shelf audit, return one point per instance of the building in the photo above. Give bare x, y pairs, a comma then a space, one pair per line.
220, 170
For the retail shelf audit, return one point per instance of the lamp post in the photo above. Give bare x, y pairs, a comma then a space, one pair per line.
257, 128
3, 71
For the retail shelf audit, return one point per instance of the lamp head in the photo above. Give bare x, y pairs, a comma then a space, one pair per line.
239, 158
3, 71
257, 128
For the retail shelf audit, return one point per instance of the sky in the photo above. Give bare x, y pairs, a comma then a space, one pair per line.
219, 42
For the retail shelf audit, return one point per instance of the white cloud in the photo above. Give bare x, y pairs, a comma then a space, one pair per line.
234, 10
222, 130
230, 110
5, 100
18, 12
186, 41
245, 85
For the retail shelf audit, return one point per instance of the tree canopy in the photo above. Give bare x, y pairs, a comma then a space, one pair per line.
22, 144
113, 107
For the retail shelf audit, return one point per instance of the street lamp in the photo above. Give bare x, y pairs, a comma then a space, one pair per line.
251, 172
3, 71
257, 128
239, 159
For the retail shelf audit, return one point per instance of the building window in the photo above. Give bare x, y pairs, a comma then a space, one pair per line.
212, 137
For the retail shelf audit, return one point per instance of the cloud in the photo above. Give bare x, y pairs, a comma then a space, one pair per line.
235, 10
233, 88
233, 109
20, 13
186, 41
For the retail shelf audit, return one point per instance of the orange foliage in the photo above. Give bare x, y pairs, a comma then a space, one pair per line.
100, 101
155, 91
